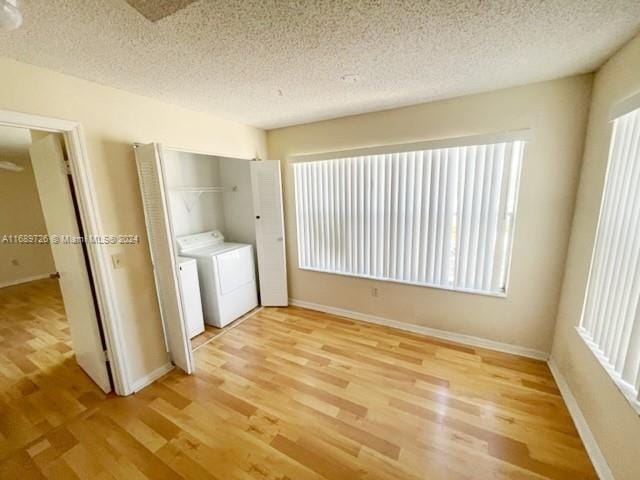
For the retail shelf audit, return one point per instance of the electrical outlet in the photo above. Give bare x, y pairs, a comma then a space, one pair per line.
117, 261
375, 292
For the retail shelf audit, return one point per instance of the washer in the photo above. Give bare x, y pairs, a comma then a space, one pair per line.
227, 276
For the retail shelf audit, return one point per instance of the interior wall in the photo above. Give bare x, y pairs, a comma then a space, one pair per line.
613, 422
192, 212
113, 120
230, 212
20, 213
238, 204
556, 113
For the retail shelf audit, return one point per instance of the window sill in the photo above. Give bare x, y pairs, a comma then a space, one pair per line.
483, 293
626, 390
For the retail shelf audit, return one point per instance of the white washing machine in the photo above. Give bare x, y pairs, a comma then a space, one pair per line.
227, 275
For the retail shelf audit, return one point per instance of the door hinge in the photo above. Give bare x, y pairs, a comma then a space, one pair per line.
105, 354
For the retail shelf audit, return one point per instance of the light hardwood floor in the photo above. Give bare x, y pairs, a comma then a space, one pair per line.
289, 394
209, 333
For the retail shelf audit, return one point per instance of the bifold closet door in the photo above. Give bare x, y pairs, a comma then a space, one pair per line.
267, 206
158, 222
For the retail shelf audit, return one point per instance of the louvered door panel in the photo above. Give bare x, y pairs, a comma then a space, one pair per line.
152, 187
270, 242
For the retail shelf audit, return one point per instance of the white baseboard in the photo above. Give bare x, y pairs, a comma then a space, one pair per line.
431, 332
596, 456
24, 280
150, 378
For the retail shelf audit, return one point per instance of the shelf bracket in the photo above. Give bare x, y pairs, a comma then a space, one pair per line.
189, 205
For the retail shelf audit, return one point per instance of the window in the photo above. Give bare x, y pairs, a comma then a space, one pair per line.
610, 321
439, 217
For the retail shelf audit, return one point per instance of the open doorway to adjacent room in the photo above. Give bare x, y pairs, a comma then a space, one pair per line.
52, 347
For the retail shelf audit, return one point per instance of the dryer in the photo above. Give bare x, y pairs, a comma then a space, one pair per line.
227, 275
190, 295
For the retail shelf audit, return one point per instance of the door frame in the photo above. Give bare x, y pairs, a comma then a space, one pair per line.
173, 148
99, 265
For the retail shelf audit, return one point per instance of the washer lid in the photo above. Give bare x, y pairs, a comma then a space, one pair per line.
198, 241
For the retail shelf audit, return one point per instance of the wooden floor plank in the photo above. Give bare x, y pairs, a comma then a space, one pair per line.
287, 394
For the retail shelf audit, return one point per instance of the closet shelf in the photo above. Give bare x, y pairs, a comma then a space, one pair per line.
205, 189
190, 200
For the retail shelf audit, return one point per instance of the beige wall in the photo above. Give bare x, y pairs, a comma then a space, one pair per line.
113, 120
20, 213
556, 112
613, 422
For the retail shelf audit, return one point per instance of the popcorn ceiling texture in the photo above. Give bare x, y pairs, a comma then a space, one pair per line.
271, 63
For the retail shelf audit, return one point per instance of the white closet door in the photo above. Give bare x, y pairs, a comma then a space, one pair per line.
156, 213
267, 206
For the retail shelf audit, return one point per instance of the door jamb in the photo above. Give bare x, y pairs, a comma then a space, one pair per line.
203, 152
91, 222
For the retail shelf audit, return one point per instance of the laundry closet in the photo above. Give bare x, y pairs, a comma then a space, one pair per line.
216, 235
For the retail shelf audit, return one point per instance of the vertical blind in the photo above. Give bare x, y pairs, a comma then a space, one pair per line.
611, 315
440, 217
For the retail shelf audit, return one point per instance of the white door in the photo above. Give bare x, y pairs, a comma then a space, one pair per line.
163, 258
267, 206
47, 157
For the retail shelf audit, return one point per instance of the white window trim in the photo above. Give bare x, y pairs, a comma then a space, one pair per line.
624, 106
524, 135
627, 391
484, 293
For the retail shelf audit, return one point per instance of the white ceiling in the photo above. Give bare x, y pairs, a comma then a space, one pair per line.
271, 63
14, 141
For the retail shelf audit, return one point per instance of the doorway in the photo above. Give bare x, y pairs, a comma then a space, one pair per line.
41, 235
97, 294
51, 341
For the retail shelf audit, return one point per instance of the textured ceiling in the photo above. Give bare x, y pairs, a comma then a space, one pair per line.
14, 141
271, 63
